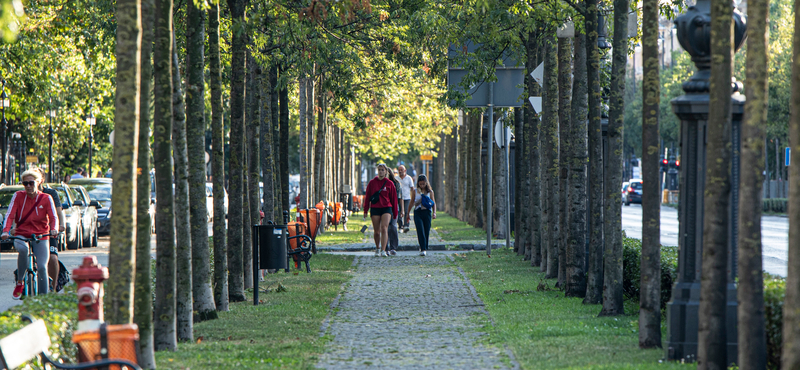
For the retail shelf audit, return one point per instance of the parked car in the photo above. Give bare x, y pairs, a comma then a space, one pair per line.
634, 192
624, 191
72, 215
88, 208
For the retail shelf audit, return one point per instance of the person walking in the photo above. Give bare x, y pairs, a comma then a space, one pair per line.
424, 211
381, 202
33, 212
394, 240
407, 189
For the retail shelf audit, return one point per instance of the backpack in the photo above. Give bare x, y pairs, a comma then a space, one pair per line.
63, 277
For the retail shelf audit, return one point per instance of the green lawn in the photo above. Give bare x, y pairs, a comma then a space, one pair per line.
353, 235
451, 229
282, 332
544, 329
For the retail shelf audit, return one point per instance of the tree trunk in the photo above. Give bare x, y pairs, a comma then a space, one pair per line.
217, 162
237, 161
532, 176
476, 179
612, 264
650, 286
576, 245
254, 151
520, 194
302, 98
183, 230
284, 149
165, 334
271, 208
452, 166
564, 127
437, 175
595, 263
121, 259
463, 135
550, 168
274, 94
750, 291
320, 151
203, 298
143, 290
311, 198
498, 184
790, 356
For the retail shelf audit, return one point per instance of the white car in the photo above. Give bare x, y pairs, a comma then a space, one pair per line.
210, 201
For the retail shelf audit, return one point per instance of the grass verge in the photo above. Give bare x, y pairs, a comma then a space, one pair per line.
273, 334
544, 329
452, 229
352, 235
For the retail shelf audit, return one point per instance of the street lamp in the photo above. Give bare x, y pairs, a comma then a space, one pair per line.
90, 120
5, 102
51, 115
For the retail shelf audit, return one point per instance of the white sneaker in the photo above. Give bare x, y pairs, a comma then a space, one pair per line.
422, 253
383, 254
377, 253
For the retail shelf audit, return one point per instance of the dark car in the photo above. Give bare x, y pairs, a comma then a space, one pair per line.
633, 192
99, 189
70, 204
88, 208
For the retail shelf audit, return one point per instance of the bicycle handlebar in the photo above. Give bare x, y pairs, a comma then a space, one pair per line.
33, 237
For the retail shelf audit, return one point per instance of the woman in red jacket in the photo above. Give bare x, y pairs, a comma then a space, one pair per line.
33, 212
381, 201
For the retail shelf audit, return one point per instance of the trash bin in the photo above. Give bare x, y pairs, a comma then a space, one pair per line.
120, 342
271, 242
312, 218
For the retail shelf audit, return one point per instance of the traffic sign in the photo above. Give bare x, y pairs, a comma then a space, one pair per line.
426, 157
507, 89
498, 134
788, 155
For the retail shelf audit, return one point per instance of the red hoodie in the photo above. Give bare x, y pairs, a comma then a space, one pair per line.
41, 220
388, 197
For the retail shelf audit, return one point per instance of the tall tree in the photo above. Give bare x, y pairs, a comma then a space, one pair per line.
270, 207
284, 149
274, 94
254, 160
650, 286
183, 229
203, 298
595, 260
534, 248
550, 158
302, 117
564, 128
237, 160
612, 261
121, 259
217, 162
164, 311
752, 351
712, 335
578, 151
320, 151
143, 291
521, 191
790, 355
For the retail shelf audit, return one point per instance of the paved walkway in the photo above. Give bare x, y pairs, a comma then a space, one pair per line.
409, 312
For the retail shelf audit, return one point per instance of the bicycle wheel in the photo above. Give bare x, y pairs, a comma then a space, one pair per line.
31, 288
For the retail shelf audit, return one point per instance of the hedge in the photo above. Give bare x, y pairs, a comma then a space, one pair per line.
631, 260
774, 205
774, 293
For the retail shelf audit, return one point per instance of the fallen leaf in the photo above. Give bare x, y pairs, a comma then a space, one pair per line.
199, 339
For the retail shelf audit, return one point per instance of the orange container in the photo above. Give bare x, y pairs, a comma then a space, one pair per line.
337, 212
122, 343
320, 206
312, 218
295, 228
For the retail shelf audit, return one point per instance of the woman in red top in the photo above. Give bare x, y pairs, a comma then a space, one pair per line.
33, 212
383, 210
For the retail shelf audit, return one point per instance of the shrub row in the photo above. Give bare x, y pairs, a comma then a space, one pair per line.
631, 267
774, 293
774, 205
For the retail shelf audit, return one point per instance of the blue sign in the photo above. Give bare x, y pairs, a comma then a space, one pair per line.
788, 155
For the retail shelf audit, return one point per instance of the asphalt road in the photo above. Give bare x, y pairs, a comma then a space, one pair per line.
774, 234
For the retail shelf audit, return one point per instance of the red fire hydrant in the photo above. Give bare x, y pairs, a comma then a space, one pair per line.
89, 278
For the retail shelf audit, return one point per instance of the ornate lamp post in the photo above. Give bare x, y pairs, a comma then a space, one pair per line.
694, 34
90, 120
51, 115
5, 102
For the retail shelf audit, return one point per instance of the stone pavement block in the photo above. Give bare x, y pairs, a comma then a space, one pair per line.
409, 312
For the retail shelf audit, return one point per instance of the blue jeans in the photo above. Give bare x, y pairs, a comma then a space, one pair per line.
422, 220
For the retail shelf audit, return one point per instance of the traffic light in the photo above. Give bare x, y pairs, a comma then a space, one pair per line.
664, 164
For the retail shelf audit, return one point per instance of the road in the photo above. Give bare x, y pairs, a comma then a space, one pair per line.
774, 234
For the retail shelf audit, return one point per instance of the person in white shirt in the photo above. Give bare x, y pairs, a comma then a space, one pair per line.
77, 174
407, 188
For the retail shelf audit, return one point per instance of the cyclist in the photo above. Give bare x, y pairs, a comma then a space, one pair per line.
33, 212
53, 266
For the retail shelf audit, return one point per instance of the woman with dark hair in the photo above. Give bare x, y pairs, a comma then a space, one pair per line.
394, 239
381, 202
424, 210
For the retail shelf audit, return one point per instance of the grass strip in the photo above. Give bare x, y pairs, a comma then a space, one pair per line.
282, 332
546, 330
340, 236
453, 229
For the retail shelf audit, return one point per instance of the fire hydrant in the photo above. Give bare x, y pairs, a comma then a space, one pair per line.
89, 278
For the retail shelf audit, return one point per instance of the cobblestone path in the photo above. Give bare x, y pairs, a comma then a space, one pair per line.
409, 312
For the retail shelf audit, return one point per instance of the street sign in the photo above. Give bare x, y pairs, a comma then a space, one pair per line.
31, 159
507, 89
536, 103
498, 134
111, 138
538, 74
788, 155
426, 157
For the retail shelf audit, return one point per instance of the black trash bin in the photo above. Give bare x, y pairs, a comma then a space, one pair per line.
269, 251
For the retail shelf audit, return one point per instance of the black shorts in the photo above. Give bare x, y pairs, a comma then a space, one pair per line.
54, 246
380, 211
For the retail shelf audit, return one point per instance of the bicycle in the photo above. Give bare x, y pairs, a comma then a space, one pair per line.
31, 281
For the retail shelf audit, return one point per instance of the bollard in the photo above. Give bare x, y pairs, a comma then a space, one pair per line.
89, 278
